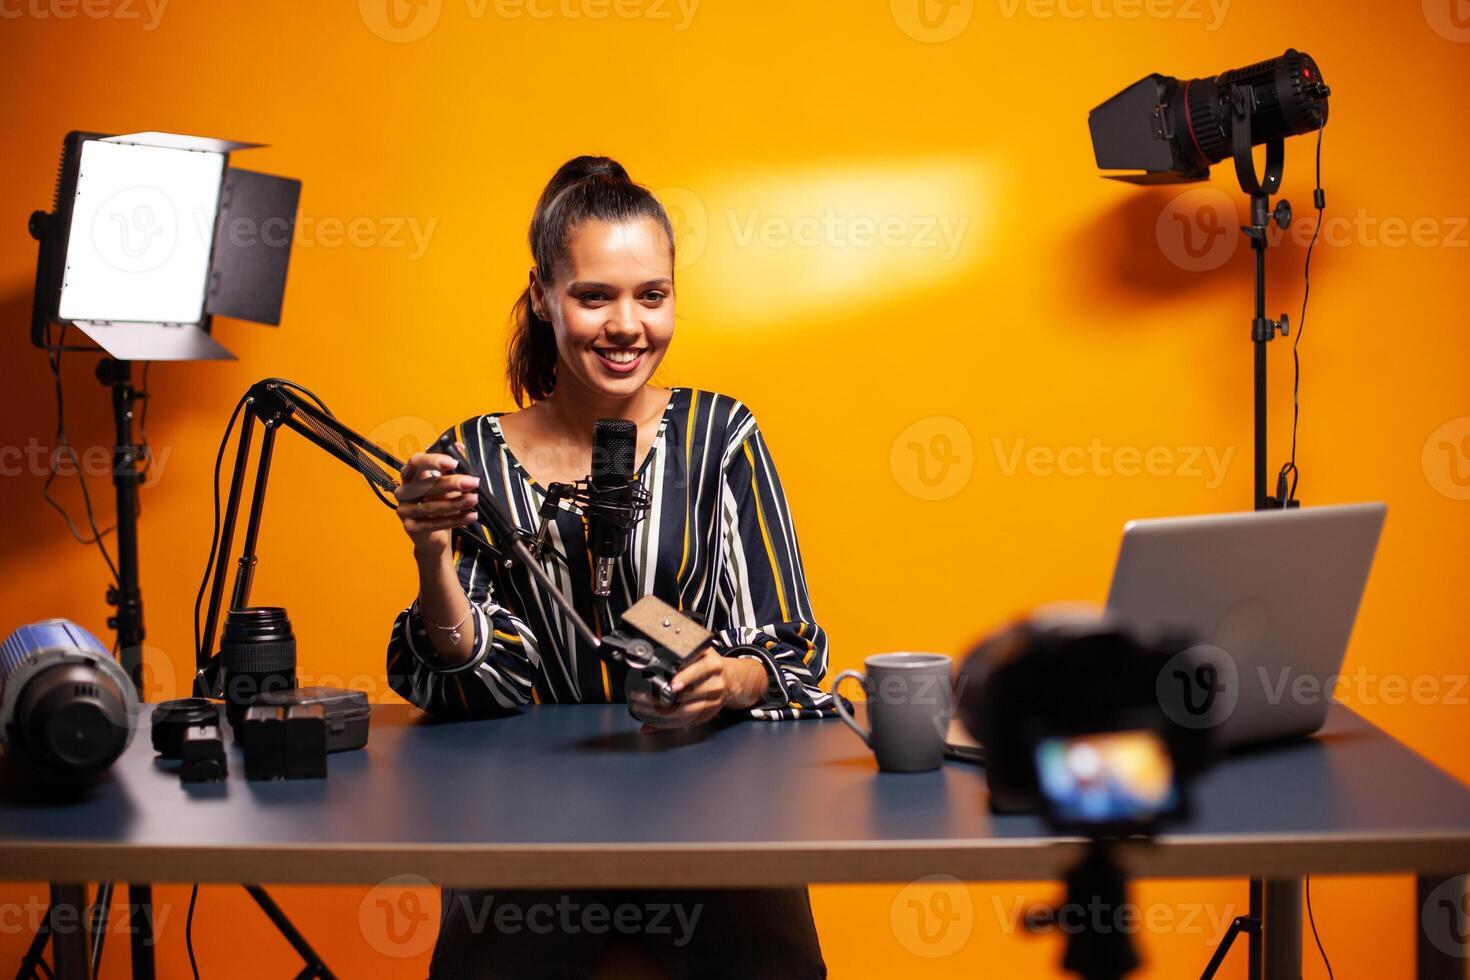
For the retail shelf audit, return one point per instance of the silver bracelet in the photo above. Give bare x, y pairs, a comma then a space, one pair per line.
453, 631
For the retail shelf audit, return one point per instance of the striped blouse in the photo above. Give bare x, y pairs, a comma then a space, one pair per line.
718, 543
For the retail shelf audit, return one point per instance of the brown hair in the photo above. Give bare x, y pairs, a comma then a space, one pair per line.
583, 188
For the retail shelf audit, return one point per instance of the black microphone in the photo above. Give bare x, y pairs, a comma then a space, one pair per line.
610, 508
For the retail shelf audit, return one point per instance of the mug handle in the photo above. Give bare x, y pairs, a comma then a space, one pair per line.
843, 713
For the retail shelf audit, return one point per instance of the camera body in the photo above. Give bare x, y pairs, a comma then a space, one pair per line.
1070, 712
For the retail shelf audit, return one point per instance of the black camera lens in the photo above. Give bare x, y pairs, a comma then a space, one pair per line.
257, 654
172, 719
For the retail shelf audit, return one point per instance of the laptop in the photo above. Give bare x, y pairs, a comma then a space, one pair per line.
1271, 596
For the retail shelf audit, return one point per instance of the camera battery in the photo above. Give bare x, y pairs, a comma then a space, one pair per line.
346, 713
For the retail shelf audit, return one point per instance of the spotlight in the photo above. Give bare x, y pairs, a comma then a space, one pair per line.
1174, 130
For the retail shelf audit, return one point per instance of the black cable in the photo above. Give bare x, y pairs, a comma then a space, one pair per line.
1288, 492
63, 444
1313, 920
214, 541
189, 931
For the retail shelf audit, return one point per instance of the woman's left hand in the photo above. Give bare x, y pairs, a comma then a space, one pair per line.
705, 687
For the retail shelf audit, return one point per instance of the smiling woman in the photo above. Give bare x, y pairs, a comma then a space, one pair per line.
594, 321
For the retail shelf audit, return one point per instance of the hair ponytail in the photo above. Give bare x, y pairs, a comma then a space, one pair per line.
583, 188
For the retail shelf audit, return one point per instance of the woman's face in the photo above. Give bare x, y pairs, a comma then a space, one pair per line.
612, 305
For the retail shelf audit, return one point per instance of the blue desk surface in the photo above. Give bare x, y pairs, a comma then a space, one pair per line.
574, 796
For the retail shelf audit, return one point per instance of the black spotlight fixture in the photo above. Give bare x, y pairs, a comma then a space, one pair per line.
1171, 131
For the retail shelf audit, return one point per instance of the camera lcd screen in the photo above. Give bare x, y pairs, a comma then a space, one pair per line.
1107, 778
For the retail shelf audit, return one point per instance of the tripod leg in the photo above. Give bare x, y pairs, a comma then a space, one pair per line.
33, 955
1241, 923
1282, 929
140, 922
69, 939
314, 965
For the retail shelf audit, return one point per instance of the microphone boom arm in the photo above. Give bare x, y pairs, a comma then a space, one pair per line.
276, 402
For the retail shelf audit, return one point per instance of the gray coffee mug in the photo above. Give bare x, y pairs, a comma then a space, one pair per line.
910, 699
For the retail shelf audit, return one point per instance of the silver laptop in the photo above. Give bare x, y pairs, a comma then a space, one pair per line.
1271, 597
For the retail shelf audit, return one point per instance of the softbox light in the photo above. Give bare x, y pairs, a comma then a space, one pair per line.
153, 234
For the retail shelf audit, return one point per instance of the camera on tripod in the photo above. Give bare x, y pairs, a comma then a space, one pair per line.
1082, 722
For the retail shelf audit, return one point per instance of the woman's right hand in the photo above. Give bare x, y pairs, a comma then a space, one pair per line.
433, 500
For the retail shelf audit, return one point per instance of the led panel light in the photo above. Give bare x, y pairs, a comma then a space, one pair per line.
141, 234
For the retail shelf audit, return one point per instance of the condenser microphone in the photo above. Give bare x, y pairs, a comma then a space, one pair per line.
610, 505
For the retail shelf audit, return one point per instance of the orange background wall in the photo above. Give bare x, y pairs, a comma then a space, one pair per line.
1014, 301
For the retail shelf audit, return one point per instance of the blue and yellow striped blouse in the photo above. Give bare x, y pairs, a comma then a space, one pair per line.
718, 544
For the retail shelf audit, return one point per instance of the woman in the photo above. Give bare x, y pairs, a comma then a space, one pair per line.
591, 327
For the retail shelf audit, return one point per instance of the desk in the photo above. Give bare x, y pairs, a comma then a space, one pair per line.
573, 796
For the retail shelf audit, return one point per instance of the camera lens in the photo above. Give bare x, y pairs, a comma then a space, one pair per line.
257, 654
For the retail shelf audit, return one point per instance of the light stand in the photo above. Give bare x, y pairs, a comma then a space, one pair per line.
1263, 330
129, 305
